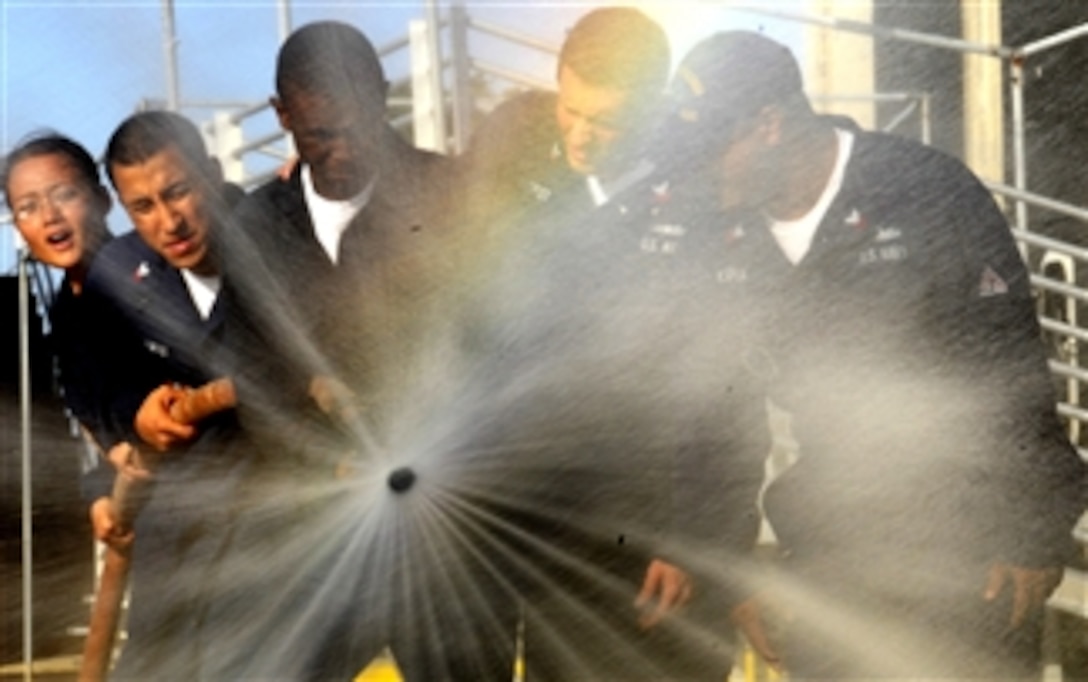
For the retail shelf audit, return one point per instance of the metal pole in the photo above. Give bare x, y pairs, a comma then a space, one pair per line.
1054, 41
883, 31
284, 13
434, 38
927, 134
983, 114
462, 78
170, 49
27, 510
1020, 172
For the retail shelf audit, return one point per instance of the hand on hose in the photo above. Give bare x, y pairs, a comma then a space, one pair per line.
747, 616
334, 398
665, 589
105, 527
1030, 587
154, 423
127, 461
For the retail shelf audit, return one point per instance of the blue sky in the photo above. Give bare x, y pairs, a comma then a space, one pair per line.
82, 67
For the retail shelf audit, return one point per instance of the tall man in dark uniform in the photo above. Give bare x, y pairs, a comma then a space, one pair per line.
155, 291
930, 513
606, 417
336, 290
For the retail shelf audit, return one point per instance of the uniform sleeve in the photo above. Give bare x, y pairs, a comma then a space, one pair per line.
260, 348
127, 369
716, 481
86, 338
510, 152
1034, 479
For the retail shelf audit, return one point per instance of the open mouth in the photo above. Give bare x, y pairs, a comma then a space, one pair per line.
60, 238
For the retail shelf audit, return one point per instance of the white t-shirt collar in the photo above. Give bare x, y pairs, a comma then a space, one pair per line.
331, 217
795, 237
203, 289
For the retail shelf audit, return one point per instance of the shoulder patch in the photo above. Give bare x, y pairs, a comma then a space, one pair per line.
991, 284
141, 272
855, 220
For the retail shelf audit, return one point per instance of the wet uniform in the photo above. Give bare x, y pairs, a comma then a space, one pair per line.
380, 569
623, 434
70, 318
906, 348
154, 334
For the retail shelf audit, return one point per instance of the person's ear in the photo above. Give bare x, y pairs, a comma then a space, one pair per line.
281, 112
769, 125
215, 171
103, 202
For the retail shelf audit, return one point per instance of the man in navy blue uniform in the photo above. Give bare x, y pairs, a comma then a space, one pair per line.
156, 290
633, 453
574, 148
930, 513
335, 286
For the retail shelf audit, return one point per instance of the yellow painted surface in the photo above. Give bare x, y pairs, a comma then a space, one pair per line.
382, 669
750, 669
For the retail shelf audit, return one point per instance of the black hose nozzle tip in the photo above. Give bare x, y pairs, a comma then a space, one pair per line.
401, 479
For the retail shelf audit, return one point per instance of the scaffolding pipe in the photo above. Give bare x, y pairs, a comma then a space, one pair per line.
1019, 170
892, 97
1068, 410
239, 116
927, 132
523, 39
170, 50
283, 15
392, 46
1049, 244
1052, 41
1069, 371
1063, 328
904, 35
27, 508
511, 75
901, 116
257, 144
461, 76
1039, 201
434, 45
1059, 287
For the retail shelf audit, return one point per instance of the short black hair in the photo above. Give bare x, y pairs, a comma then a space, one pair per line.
47, 143
330, 57
145, 134
618, 47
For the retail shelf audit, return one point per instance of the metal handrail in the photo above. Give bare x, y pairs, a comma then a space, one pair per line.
1065, 329
517, 37
1050, 244
1057, 286
1073, 412
1068, 371
1039, 200
511, 75
258, 144
901, 116
904, 35
1052, 41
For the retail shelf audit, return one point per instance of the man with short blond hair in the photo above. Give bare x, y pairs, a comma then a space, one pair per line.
609, 430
